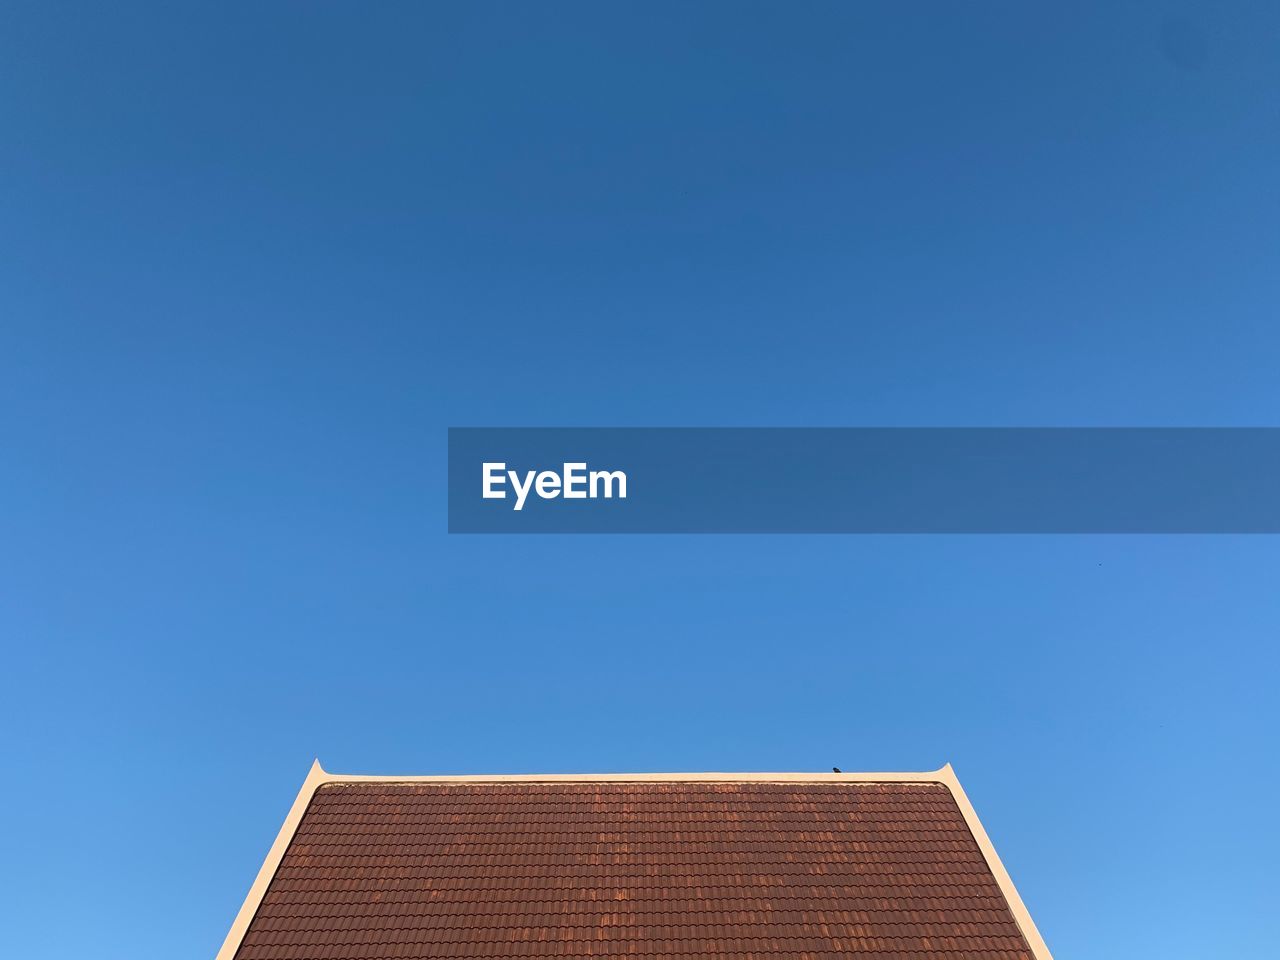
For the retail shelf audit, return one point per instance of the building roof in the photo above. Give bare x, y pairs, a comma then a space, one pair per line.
767, 866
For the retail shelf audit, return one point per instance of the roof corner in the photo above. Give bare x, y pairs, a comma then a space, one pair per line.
1030, 933
315, 777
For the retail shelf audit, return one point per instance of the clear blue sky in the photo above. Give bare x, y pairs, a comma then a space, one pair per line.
254, 259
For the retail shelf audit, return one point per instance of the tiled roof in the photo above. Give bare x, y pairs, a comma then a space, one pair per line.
675, 869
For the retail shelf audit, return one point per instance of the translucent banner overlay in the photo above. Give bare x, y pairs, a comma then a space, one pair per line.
864, 480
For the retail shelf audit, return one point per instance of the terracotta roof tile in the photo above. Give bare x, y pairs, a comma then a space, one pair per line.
672, 869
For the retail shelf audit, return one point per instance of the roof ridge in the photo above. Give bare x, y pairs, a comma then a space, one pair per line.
943, 774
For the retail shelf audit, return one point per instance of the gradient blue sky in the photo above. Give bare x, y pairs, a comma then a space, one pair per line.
255, 258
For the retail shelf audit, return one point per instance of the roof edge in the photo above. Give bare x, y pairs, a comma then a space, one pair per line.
934, 776
1030, 933
315, 776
